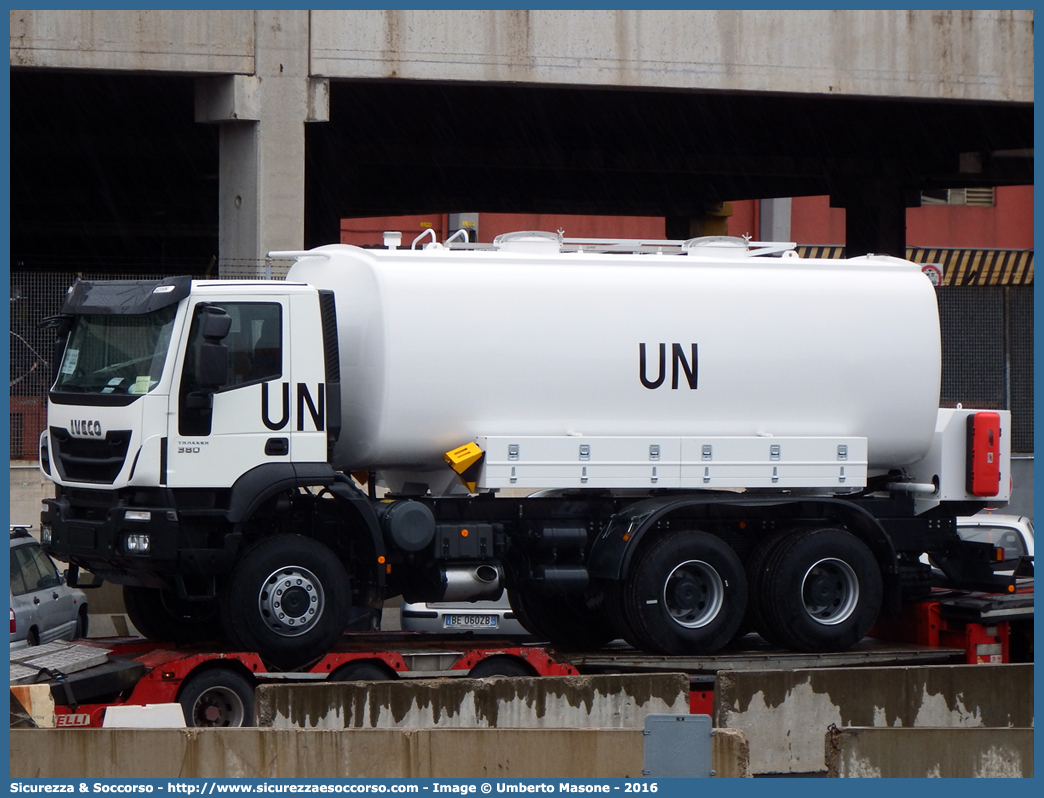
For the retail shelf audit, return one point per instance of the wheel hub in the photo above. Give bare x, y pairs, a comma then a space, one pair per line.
830, 591
218, 706
291, 601
693, 594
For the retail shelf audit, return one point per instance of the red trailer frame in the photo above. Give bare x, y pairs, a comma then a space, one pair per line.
168, 669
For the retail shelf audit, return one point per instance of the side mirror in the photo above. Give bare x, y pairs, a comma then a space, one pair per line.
214, 324
212, 366
212, 363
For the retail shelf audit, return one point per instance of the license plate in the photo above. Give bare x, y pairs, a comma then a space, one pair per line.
470, 621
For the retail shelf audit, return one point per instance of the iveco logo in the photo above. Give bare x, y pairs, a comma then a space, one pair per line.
86, 428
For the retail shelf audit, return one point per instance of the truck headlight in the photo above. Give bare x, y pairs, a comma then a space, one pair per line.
137, 515
45, 534
138, 544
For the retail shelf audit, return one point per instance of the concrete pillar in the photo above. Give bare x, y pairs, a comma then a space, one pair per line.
261, 195
775, 219
875, 216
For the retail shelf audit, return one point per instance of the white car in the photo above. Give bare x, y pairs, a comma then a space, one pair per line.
1012, 532
480, 617
43, 607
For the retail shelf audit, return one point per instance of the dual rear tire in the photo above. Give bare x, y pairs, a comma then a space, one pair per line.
687, 592
815, 590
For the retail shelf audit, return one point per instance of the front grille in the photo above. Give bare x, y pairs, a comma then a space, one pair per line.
97, 460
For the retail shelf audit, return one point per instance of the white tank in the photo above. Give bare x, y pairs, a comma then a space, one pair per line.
441, 346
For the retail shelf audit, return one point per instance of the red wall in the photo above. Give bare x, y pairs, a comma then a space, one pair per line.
1007, 225
369, 231
493, 224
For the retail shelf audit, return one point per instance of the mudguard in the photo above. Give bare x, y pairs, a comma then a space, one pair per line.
252, 489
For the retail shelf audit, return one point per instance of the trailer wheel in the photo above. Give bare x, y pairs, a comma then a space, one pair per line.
361, 671
684, 593
821, 590
573, 620
219, 698
161, 615
288, 599
500, 666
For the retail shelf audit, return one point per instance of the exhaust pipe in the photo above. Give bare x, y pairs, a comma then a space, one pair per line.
472, 583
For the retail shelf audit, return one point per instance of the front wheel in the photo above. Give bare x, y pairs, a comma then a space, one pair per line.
288, 599
820, 590
163, 616
685, 593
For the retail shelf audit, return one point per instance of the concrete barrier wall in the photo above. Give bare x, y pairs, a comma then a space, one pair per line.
548, 702
934, 753
785, 713
357, 753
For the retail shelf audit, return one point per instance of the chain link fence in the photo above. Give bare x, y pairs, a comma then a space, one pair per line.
37, 295
987, 335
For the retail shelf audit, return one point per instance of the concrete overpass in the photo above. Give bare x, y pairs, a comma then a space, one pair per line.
155, 138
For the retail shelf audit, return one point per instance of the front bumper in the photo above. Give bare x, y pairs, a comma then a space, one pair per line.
105, 535
95, 535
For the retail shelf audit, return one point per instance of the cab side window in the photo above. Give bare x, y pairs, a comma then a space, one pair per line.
255, 354
255, 342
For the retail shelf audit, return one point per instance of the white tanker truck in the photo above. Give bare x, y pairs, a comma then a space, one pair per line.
669, 442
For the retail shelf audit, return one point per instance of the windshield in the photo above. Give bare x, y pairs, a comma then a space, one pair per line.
116, 354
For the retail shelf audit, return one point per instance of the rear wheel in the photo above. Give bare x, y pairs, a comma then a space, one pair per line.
218, 698
684, 593
288, 599
756, 573
161, 615
820, 590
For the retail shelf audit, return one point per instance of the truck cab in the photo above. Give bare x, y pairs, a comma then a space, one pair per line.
167, 394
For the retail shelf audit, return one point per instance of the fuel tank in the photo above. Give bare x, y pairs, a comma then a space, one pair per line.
440, 346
